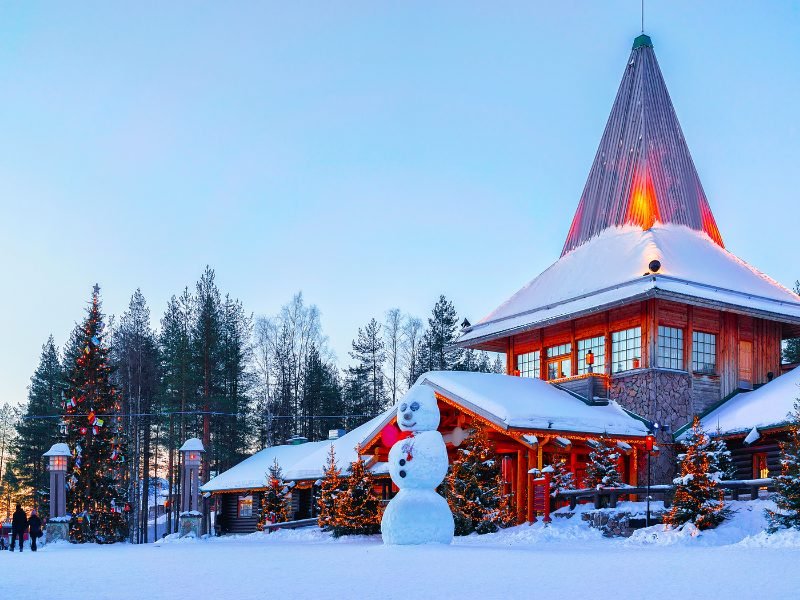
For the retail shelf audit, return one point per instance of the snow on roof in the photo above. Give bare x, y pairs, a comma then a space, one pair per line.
611, 268
252, 472
60, 449
192, 445
312, 465
767, 406
524, 403
299, 461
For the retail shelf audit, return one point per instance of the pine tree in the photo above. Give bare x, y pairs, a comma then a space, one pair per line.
474, 487
697, 499
791, 352
9, 483
331, 487
321, 396
38, 429
787, 484
437, 351
358, 506
721, 460
94, 496
368, 352
602, 470
275, 504
561, 479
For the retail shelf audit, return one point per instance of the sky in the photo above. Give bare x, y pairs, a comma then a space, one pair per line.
369, 154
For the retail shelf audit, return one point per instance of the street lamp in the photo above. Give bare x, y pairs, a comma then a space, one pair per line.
58, 455
649, 445
590, 361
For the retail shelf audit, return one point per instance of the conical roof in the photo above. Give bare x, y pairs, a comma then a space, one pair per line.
643, 172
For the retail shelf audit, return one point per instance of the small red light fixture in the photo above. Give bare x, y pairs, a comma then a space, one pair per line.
650, 442
516, 373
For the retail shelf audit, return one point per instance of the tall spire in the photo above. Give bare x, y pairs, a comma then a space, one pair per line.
643, 172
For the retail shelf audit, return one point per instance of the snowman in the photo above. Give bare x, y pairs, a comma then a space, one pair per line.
418, 464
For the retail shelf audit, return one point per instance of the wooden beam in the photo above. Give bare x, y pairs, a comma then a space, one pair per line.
521, 485
529, 479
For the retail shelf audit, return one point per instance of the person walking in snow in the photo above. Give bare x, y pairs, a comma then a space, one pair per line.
35, 529
19, 525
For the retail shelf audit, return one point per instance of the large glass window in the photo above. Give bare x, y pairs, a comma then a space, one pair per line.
626, 349
530, 364
245, 506
670, 347
597, 345
704, 352
559, 361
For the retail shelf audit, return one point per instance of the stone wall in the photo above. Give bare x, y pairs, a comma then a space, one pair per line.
661, 396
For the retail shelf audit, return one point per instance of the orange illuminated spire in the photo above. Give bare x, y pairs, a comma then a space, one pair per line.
643, 204
643, 172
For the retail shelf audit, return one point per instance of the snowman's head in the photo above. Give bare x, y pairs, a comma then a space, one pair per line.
418, 410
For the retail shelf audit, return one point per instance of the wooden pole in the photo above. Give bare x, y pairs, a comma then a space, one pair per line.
521, 487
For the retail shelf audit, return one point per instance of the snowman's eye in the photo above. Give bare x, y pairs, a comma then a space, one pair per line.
403, 407
415, 406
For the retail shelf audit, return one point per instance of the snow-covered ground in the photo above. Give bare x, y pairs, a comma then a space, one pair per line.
567, 558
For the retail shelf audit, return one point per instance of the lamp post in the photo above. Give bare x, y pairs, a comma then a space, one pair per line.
590, 361
650, 444
58, 522
190, 516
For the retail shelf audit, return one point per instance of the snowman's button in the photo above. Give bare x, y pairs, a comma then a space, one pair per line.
402, 461
402, 473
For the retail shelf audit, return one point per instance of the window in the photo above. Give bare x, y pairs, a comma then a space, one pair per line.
598, 347
704, 352
530, 364
626, 349
245, 506
559, 361
670, 347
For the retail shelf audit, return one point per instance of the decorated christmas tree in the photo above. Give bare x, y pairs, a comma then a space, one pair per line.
561, 478
602, 470
697, 498
330, 489
358, 506
95, 496
787, 484
721, 460
275, 504
474, 487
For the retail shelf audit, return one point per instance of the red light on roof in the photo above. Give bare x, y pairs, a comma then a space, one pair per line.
643, 204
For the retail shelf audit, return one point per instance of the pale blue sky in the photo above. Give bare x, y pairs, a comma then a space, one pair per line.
370, 154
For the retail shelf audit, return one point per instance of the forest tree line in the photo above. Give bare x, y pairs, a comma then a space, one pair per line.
214, 371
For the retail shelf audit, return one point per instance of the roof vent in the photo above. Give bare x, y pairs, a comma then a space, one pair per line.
465, 324
296, 440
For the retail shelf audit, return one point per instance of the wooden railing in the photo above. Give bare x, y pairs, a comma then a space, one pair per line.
608, 497
290, 524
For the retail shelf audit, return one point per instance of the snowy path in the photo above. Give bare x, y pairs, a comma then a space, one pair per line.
521, 563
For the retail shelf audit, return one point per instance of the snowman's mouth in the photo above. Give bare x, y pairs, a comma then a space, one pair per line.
407, 424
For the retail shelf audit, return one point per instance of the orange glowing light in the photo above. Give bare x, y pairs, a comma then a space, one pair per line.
643, 204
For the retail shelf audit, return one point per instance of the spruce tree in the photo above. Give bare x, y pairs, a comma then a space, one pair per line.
602, 470
94, 496
38, 429
787, 484
474, 487
358, 508
330, 488
437, 352
721, 460
275, 504
561, 478
697, 499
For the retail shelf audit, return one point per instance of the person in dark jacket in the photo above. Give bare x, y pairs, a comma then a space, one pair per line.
35, 529
19, 524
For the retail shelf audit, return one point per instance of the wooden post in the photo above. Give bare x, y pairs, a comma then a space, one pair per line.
521, 486
531, 465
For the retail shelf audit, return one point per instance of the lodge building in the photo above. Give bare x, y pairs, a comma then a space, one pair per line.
645, 319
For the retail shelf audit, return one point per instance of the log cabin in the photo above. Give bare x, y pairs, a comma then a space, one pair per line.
645, 305
753, 425
530, 423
